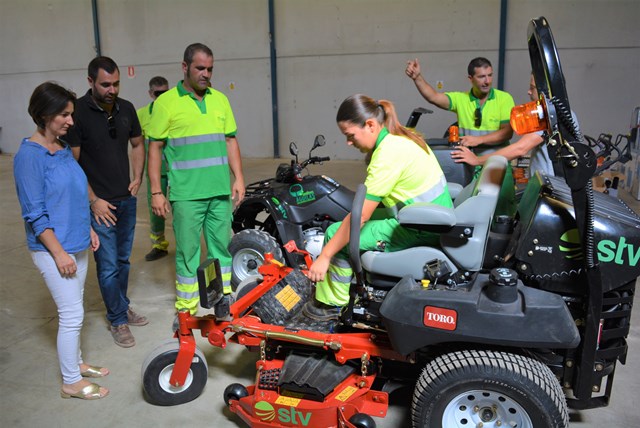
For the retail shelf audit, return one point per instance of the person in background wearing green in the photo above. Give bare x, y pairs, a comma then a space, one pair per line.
158, 85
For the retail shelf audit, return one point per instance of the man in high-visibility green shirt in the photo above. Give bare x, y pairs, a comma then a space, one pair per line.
483, 117
196, 126
158, 85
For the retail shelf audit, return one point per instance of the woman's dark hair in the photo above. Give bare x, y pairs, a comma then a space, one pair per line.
359, 108
47, 100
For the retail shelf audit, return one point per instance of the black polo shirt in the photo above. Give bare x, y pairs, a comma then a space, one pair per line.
104, 159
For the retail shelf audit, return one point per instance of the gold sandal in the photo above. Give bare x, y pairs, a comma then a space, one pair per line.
89, 392
94, 371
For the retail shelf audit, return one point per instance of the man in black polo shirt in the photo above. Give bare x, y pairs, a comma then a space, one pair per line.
104, 127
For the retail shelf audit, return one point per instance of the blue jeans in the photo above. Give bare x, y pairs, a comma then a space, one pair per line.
112, 259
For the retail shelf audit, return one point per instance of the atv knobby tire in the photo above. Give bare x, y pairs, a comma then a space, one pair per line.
490, 389
247, 250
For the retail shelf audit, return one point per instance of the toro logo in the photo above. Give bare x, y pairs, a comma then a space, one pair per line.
440, 318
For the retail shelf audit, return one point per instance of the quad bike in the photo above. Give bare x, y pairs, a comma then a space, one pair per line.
291, 206
503, 324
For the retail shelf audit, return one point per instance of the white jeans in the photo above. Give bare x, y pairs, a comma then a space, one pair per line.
68, 294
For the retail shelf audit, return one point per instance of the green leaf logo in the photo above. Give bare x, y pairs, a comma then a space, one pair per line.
265, 411
570, 245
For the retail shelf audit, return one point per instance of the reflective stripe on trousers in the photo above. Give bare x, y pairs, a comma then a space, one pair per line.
187, 294
334, 289
159, 241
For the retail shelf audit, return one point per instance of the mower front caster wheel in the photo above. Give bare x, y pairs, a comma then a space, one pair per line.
157, 369
235, 391
362, 420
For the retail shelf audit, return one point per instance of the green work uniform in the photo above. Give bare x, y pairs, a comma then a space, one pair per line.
496, 111
195, 133
156, 234
400, 173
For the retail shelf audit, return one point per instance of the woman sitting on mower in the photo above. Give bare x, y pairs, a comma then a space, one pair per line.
403, 170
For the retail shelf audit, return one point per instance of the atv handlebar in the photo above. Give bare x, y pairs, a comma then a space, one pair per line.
313, 160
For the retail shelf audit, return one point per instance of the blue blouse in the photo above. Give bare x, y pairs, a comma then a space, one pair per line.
53, 193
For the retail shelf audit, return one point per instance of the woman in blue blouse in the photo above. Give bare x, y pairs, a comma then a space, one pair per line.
53, 193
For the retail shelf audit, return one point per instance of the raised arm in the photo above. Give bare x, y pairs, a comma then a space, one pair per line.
434, 97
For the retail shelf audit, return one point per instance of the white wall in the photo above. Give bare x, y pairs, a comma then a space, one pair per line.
599, 47
326, 49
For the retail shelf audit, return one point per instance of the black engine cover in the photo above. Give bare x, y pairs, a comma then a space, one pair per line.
549, 250
416, 317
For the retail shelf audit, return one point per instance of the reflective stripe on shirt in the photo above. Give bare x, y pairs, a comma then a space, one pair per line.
474, 132
427, 196
200, 163
205, 138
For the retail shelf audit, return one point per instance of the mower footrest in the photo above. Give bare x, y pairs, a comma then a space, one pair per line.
312, 376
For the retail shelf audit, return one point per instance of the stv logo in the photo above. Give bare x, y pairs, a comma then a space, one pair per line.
266, 413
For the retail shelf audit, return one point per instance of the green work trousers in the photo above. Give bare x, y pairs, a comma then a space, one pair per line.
190, 219
156, 223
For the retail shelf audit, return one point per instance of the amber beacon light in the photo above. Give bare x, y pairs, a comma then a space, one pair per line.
454, 137
529, 117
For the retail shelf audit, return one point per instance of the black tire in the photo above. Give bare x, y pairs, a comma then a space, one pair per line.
156, 371
506, 387
235, 391
245, 286
362, 420
247, 250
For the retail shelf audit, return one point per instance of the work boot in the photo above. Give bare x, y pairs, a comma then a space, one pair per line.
155, 254
122, 336
319, 311
136, 319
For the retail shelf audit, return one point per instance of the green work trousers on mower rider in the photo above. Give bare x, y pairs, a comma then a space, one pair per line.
380, 233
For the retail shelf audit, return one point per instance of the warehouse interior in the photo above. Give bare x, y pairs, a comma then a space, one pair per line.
285, 66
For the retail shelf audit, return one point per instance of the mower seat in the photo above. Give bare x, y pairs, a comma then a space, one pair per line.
463, 229
454, 190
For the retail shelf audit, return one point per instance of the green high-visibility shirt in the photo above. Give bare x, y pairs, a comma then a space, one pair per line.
401, 173
144, 116
195, 133
496, 111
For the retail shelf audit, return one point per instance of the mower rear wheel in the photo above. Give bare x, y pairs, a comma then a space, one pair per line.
489, 389
247, 250
157, 369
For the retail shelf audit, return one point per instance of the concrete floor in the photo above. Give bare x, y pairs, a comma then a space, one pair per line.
29, 374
